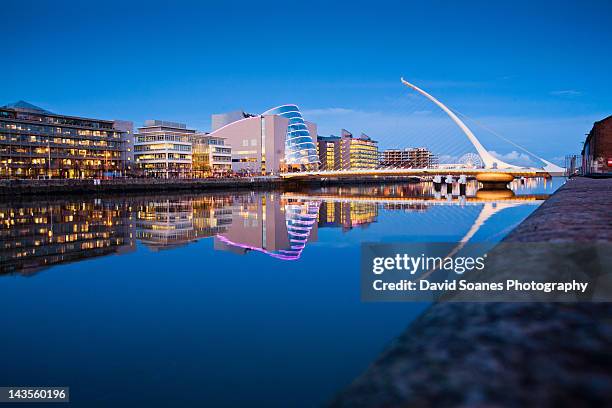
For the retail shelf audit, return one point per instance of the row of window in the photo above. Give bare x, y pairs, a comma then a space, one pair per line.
222, 158
50, 130
64, 141
29, 151
161, 137
164, 166
163, 156
65, 163
162, 146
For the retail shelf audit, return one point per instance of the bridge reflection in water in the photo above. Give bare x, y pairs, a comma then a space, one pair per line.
38, 234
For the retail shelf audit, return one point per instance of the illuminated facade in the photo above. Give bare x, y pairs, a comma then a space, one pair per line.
275, 141
127, 129
347, 152
328, 149
35, 143
163, 150
210, 156
300, 149
358, 153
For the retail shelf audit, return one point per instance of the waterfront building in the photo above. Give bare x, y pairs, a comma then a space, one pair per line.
35, 143
127, 132
210, 156
163, 149
300, 150
416, 157
357, 153
395, 158
277, 140
328, 149
347, 152
597, 150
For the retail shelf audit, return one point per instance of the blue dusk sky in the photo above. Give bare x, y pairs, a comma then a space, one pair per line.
537, 72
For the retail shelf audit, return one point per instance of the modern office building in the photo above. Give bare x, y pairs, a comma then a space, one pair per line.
163, 150
328, 149
35, 143
597, 150
417, 157
210, 156
347, 152
358, 153
277, 140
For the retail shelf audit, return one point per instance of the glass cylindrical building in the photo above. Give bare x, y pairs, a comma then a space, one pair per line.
299, 146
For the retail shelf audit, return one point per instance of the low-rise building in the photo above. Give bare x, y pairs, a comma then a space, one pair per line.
163, 149
36, 143
416, 157
210, 156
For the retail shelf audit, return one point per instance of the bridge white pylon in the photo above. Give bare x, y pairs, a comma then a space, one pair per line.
489, 161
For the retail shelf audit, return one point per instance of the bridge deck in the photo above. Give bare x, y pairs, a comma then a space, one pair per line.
522, 172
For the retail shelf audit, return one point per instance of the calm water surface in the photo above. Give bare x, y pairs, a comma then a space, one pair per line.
224, 299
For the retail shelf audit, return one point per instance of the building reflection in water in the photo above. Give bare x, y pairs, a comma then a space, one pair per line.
270, 224
347, 215
38, 235
35, 235
168, 222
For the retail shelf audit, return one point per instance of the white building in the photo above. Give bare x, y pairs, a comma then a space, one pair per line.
276, 140
210, 155
163, 149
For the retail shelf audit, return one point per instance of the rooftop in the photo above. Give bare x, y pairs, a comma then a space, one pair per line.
25, 106
164, 123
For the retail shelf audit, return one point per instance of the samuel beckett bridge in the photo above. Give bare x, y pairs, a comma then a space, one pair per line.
484, 165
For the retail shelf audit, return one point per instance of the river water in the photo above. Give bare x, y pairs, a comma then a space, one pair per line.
218, 299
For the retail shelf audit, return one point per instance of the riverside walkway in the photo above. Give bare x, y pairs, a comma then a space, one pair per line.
507, 354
